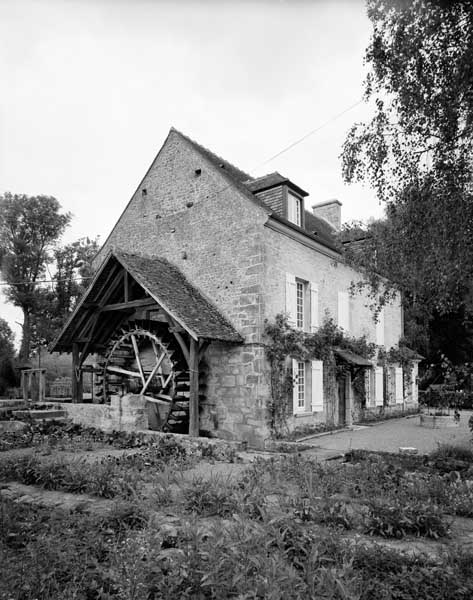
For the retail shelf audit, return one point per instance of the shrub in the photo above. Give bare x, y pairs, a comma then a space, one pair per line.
398, 520
211, 497
452, 451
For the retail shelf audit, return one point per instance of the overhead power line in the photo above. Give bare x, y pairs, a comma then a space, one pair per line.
43, 281
283, 151
308, 134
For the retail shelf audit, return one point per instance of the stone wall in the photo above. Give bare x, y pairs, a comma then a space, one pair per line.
207, 228
237, 393
286, 255
124, 413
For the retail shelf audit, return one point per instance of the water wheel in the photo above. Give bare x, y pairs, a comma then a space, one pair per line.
139, 360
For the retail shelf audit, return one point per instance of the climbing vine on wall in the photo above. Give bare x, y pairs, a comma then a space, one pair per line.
403, 356
284, 343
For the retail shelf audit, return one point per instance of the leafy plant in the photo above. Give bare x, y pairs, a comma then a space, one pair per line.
398, 520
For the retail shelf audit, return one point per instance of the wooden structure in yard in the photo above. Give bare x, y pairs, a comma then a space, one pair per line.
149, 327
33, 384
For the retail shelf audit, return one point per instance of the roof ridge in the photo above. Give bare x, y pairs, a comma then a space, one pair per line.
213, 155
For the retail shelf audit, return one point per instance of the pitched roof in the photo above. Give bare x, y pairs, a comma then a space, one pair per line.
271, 180
352, 358
165, 283
246, 184
170, 288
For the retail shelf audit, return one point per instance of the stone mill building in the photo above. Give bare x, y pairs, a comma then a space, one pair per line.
201, 256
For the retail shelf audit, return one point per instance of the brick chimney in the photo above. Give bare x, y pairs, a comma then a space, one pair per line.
330, 211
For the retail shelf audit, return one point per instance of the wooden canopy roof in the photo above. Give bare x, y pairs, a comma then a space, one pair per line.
126, 282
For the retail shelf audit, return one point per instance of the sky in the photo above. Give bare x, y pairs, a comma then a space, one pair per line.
90, 89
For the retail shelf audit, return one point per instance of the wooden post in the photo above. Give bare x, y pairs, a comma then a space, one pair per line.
41, 385
194, 388
76, 375
24, 385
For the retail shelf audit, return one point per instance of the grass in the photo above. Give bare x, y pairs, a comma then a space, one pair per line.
49, 554
282, 529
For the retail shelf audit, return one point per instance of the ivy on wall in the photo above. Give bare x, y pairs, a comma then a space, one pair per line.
284, 342
401, 355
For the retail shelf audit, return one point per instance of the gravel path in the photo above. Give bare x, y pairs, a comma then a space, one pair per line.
393, 434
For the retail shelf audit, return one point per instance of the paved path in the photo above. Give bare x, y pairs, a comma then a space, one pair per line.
391, 435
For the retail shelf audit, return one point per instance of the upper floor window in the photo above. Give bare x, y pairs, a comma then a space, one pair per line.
302, 303
300, 293
294, 209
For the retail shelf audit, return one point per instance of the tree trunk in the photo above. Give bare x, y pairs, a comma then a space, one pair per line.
26, 337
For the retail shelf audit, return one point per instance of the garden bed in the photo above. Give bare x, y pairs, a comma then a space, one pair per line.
172, 524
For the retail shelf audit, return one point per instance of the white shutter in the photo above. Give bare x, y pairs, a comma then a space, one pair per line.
295, 388
343, 310
291, 298
399, 392
368, 387
380, 328
317, 370
415, 391
378, 386
314, 306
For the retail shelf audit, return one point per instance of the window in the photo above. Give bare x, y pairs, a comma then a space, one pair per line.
302, 303
294, 209
300, 292
308, 392
300, 385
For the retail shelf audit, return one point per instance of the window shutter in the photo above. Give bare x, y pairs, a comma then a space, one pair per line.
314, 306
380, 328
368, 387
414, 373
343, 310
399, 392
317, 368
295, 390
291, 294
379, 386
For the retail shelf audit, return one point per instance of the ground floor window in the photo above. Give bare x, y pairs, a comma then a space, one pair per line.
307, 386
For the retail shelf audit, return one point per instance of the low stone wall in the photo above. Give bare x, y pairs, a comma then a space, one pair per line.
124, 413
438, 421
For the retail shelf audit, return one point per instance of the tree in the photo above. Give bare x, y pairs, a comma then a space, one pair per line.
7, 355
72, 274
30, 227
416, 152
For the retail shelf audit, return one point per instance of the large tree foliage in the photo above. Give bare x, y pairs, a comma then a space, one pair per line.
30, 227
416, 152
7, 355
72, 273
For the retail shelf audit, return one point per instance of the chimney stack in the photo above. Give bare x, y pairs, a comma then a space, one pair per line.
330, 211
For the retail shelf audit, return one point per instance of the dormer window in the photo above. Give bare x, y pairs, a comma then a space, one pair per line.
294, 209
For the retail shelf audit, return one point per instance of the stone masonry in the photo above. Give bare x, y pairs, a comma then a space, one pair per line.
221, 238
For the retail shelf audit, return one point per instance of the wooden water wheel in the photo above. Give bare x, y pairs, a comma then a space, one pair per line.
142, 361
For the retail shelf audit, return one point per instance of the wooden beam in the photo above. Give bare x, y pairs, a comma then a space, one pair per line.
153, 373
76, 375
173, 327
114, 369
126, 287
137, 355
130, 304
85, 349
194, 388
183, 346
